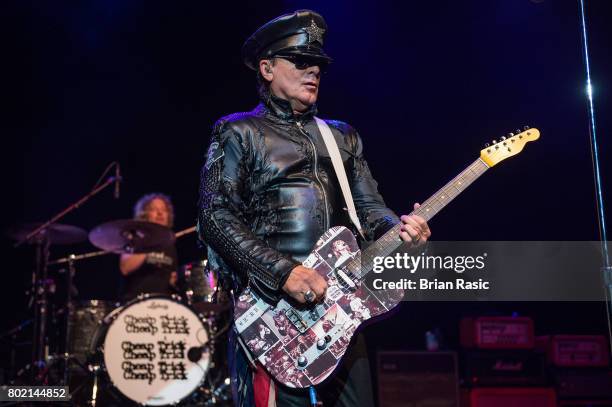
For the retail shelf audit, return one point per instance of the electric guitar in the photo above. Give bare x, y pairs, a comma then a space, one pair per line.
300, 346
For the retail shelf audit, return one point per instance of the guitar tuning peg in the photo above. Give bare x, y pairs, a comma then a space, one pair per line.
502, 138
526, 127
510, 134
494, 142
487, 145
518, 131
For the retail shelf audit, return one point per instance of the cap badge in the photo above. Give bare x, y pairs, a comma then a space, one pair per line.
315, 33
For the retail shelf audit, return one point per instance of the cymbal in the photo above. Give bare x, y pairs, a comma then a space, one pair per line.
130, 236
57, 233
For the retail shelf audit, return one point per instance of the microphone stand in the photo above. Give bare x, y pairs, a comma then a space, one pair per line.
38, 293
606, 268
66, 211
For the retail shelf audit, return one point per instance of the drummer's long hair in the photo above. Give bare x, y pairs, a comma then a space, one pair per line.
140, 209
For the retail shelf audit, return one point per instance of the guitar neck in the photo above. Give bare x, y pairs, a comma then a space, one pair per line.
390, 241
451, 190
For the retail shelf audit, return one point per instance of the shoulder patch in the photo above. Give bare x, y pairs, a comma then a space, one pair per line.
213, 154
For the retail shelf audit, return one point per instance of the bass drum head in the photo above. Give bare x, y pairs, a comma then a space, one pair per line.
145, 351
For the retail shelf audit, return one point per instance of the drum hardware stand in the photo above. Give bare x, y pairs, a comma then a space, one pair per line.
17, 329
38, 299
215, 392
95, 370
70, 293
42, 360
12, 335
77, 257
218, 393
68, 317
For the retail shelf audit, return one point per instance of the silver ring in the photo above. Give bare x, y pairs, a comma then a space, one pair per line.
309, 296
416, 240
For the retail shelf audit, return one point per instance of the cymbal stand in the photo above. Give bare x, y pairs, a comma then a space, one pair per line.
95, 370
69, 314
12, 335
77, 257
38, 293
66, 211
38, 300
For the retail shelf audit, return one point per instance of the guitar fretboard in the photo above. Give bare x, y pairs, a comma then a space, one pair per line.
390, 241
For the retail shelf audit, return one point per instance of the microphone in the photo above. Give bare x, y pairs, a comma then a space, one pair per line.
194, 354
117, 180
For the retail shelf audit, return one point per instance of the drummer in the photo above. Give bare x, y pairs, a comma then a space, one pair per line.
153, 272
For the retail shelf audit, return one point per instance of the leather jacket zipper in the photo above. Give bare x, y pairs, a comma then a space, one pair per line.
316, 172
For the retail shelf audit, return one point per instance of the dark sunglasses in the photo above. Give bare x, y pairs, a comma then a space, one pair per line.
302, 62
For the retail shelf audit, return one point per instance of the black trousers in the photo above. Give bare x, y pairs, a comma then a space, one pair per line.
349, 386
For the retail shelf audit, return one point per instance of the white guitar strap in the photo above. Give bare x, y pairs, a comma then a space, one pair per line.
334, 153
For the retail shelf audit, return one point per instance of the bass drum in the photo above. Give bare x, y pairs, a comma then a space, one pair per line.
145, 346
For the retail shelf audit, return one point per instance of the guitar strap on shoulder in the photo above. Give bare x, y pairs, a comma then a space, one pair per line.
334, 153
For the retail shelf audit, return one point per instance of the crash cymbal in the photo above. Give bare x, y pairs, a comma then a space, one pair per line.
130, 236
57, 233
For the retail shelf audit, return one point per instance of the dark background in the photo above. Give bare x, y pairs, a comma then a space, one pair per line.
425, 83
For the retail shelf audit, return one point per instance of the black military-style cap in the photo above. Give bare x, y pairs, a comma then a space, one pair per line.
299, 33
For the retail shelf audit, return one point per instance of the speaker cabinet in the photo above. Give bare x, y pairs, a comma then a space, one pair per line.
417, 379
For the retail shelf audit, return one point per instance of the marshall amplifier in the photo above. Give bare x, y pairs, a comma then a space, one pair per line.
583, 383
503, 368
497, 333
576, 350
512, 397
417, 379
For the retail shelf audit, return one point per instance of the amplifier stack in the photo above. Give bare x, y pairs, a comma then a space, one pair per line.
579, 368
501, 364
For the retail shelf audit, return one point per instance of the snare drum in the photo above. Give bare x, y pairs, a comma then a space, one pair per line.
196, 282
145, 346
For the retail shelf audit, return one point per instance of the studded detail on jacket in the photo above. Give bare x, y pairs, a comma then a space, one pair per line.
268, 191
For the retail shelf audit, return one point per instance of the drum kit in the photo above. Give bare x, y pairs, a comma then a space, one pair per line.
153, 350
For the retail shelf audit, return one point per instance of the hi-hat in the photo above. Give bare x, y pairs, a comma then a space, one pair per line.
130, 236
57, 233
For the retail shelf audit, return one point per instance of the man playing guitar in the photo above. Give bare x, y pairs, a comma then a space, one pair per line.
268, 192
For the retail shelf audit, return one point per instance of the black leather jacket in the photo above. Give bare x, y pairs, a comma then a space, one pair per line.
268, 191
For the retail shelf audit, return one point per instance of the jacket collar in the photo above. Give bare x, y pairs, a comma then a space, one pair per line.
281, 109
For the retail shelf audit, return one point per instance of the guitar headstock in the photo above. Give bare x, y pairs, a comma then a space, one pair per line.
508, 146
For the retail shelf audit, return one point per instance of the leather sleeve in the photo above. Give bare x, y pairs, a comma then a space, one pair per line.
222, 222
376, 218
